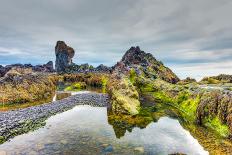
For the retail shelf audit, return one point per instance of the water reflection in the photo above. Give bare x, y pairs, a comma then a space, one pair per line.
93, 130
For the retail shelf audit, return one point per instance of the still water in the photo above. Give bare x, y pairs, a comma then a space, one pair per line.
87, 130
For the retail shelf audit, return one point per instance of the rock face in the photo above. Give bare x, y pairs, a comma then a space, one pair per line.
145, 63
64, 55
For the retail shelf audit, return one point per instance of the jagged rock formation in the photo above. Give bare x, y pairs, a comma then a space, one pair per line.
144, 63
64, 55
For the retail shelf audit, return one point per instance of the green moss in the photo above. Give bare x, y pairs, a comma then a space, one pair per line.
147, 88
132, 75
215, 124
2, 139
163, 97
124, 96
189, 107
76, 86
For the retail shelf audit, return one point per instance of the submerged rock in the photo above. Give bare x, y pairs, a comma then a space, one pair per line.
64, 55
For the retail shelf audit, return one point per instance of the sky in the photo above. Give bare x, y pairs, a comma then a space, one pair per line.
192, 37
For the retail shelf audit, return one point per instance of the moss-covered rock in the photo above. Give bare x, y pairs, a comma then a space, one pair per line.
211, 108
76, 86
27, 88
124, 96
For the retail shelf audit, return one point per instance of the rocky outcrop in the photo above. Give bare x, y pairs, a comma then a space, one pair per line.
124, 96
188, 80
222, 78
48, 67
86, 68
102, 68
64, 55
217, 105
22, 68
18, 87
144, 64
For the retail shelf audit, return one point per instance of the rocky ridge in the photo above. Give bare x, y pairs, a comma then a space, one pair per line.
144, 64
47, 68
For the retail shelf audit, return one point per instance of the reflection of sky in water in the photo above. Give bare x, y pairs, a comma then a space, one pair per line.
85, 129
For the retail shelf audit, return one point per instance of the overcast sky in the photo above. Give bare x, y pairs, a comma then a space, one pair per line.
193, 38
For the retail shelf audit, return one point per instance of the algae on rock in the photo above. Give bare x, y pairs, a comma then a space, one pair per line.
124, 96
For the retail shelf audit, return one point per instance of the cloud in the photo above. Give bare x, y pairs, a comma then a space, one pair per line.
178, 32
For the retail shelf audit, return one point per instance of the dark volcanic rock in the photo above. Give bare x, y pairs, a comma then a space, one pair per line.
145, 63
64, 55
86, 68
102, 68
48, 67
2, 71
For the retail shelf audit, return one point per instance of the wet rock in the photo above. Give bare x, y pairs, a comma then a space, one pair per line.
64, 55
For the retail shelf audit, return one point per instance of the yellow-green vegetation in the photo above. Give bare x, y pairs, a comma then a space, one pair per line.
76, 86
91, 79
210, 80
194, 105
132, 75
27, 88
216, 124
122, 123
125, 98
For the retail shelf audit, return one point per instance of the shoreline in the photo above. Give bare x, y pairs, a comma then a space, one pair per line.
15, 122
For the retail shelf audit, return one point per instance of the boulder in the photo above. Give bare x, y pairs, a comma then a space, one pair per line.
64, 55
